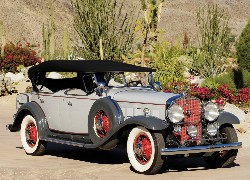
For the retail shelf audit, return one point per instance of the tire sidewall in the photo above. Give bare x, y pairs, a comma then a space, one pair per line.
25, 122
215, 161
130, 150
109, 109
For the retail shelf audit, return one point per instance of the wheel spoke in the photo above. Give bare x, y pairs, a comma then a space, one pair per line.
142, 148
31, 134
101, 124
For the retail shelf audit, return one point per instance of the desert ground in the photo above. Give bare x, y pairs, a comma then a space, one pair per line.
65, 162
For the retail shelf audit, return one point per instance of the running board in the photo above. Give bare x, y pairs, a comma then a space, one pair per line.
71, 143
200, 149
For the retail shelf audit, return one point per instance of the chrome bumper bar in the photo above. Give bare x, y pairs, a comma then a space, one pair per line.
200, 149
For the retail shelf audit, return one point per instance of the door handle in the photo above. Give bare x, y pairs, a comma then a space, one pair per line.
41, 101
69, 103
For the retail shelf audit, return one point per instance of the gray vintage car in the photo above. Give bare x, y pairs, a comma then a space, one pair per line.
99, 108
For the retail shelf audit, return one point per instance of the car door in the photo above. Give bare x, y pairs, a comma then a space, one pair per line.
74, 111
49, 102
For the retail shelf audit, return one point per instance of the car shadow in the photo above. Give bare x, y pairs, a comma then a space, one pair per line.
114, 156
188, 164
119, 156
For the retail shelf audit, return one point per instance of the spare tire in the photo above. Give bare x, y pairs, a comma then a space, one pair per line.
104, 116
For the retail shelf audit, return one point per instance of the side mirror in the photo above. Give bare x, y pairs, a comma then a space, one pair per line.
101, 88
157, 86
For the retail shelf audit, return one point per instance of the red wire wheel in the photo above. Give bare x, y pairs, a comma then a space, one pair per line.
102, 124
142, 148
31, 134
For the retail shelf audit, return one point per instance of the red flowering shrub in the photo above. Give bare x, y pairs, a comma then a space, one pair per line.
221, 95
202, 92
16, 55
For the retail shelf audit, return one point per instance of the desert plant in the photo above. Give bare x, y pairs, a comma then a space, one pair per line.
105, 28
215, 40
18, 54
49, 35
2, 39
243, 48
169, 68
65, 43
6, 86
225, 78
148, 25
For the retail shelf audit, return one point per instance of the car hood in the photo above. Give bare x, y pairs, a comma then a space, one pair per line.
140, 95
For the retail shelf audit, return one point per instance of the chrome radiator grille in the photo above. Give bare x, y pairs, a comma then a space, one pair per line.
192, 116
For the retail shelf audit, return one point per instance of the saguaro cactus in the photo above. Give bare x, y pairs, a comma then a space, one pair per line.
65, 43
2, 38
52, 29
49, 35
45, 53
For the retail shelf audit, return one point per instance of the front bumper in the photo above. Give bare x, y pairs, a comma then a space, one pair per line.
200, 149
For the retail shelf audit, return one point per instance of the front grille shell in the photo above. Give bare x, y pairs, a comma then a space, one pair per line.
192, 116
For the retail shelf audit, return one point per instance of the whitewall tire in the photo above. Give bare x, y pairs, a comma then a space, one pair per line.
144, 150
29, 137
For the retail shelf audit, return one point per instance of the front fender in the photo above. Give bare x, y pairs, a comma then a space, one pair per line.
149, 122
35, 110
226, 117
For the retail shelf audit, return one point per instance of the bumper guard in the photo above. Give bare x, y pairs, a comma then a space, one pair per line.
200, 149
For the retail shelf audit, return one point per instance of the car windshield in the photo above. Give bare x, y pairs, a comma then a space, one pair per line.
124, 79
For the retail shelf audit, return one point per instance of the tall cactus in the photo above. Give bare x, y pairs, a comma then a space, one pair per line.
52, 29
49, 35
2, 38
65, 43
45, 53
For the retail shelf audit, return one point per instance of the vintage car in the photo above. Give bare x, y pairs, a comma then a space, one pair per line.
87, 110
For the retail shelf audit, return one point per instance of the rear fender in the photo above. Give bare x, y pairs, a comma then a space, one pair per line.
35, 110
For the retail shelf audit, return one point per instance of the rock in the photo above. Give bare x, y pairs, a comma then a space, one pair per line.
25, 71
54, 75
113, 83
1, 77
10, 75
15, 77
19, 77
197, 80
236, 111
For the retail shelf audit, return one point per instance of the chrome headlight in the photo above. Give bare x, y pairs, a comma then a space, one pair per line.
212, 129
211, 111
192, 131
175, 113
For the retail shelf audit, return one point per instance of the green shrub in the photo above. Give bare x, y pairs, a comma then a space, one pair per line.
215, 40
226, 78
168, 67
234, 79
243, 48
242, 78
105, 28
210, 83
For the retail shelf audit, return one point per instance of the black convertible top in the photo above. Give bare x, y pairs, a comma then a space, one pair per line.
88, 66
